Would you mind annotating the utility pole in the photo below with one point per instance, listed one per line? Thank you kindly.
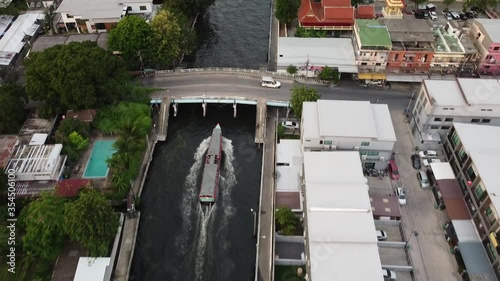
(307, 66)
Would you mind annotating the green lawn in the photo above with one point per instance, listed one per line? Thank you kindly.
(288, 273)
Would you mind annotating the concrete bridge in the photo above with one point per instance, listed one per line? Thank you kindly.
(173, 102)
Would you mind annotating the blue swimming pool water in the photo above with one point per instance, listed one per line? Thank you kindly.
(96, 165)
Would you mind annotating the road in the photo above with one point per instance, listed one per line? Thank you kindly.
(249, 87)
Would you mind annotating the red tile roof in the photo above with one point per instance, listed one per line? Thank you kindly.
(85, 115)
(327, 13)
(70, 188)
(365, 12)
(7, 144)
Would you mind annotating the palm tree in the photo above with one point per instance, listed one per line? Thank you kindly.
(131, 140)
(49, 20)
(119, 183)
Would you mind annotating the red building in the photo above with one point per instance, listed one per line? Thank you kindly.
(326, 14)
(365, 12)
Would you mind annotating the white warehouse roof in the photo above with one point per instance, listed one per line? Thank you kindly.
(340, 227)
(492, 27)
(356, 119)
(289, 152)
(464, 92)
(317, 52)
(91, 269)
(442, 171)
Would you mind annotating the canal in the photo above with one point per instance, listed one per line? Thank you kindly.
(233, 33)
(176, 242)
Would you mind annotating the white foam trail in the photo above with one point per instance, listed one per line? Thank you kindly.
(190, 195)
(202, 242)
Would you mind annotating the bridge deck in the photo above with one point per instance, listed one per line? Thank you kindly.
(260, 123)
(163, 122)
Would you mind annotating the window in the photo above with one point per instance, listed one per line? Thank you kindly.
(142, 8)
(455, 139)
(475, 120)
(320, 142)
(448, 119)
(69, 16)
(328, 142)
(365, 143)
(363, 63)
(462, 154)
(372, 153)
(471, 173)
(434, 127)
(496, 48)
(378, 64)
(445, 127)
(438, 119)
(479, 192)
(486, 121)
(100, 26)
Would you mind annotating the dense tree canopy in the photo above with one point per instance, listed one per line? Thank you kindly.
(172, 38)
(12, 111)
(112, 119)
(91, 221)
(133, 38)
(189, 7)
(287, 223)
(43, 222)
(286, 10)
(75, 76)
(481, 4)
(299, 96)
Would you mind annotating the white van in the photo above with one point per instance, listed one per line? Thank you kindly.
(423, 179)
(269, 82)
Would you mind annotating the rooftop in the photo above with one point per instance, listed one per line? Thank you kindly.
(288, 178)
(444, 92)
(95, 9)
(481, 144)
(5, 22)
(442, 171)
(492, 27)
(91, 269)
(385, 206)
(409, 29)
(45, 42)
(372, 33)
(337, 195)
(480, 91)
(34, 124)
(333, 52)
(29, 159)
(289, 152)
(70, 187)
(357, 119)
(7, 143)
(446, 43)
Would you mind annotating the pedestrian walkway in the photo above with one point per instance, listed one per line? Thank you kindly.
(266, 217)
(429, 251)
(260, 122)
(127, 248)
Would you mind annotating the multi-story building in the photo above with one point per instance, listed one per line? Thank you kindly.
(412, 45)
(486, 36)
(372, 44)
(470, 59)
(439, 103)
(326, 14)
(99, 15)
(37, 162)
(340, 238)
(450, 55)
(349, 125)
(473, 153)
(393, 9)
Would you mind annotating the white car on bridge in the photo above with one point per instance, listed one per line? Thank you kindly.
(269, 82)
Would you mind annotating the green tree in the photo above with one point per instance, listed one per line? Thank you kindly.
(119, 182)
(172, 37)
(286, 221)
(43, 223)
(70, 125)
(481, 4)
(187, 7)
(301, 95)
(110, 119)
(75, 76)
(286, 10)
(130, 143)
(309, 33)
(133, 37)
(12, 111)
(448, 2)
(92, 222)
(78, 142)
(291, 69)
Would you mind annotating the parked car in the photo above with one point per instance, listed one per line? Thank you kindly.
(463, 16)
(269, 82)
(419, 15)
(430, 7)
(401, 194)
(388, 274)
(448, 16)
(471, 14)
(415, 161)
(290, 124)
(427, 162)
(393, 169)
(426, 15)
(423, 179)
(433, 15)
(381, 235)
(455, 15)
(427, 153)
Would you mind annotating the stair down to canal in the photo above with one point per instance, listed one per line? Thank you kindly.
(260, 123)
(163, 122)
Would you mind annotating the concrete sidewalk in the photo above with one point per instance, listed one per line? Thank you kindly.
(429, 251)
(127, 247)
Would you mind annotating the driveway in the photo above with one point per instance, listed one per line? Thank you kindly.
(430, 253)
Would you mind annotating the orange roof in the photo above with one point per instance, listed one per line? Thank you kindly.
(330, 12)
(69, 188)
(84, 115)
(365, 12)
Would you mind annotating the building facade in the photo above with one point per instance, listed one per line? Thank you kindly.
(349, 125)
(486, 36)
(412, 45)
(99, 16)
(439, 103)
(372, 44)
(473, 153)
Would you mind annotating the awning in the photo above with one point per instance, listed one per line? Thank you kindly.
(465, 231)
(476, 261)
(417, 78)
(372, 76)
(456, 209)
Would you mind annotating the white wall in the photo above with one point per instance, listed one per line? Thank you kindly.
(136, 8)
(348, 144)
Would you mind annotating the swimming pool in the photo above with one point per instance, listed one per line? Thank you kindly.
(96, 165)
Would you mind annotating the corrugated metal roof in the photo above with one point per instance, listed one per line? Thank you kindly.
(476, 261)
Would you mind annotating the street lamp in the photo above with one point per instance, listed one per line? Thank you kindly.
(254, 222)
(414, 233)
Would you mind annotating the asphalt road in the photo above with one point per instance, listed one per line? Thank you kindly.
(249, 87)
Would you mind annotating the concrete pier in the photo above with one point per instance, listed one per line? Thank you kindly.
(163, 119)
(260, 123)
(127, 248)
